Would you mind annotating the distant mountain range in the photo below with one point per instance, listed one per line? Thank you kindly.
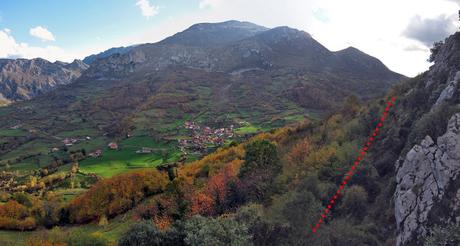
(23, 79)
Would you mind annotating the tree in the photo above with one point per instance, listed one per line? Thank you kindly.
(435, 50)
(300, 210)
(262, 232)
(354, 201)
(215, 231)
(116, 195)
(261, 166)
(141, 234)
(260, 154)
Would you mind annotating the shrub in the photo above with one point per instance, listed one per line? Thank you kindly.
(79, 238)
(354, 201)
(443, 236)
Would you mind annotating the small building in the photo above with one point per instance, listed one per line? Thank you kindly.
(96, 153)
(145, 150)
(54, 149)
(113, 146)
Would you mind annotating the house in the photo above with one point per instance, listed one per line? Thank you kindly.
(69, 141)
(113, 146)
(54, 149)
(145, 150)
(15, 127)
(96, 153)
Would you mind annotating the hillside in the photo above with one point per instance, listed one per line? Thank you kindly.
(23, 79)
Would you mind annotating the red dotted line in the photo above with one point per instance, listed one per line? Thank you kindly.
(355, 165)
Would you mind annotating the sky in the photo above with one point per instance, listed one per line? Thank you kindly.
(398, 32)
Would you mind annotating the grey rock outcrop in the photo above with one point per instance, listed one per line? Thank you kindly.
(23, 79)
(427, 171)
(449, 91)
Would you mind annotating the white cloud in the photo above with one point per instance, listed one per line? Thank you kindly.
(10, 48)
(42, 33)
(148, 10)
(208, 3)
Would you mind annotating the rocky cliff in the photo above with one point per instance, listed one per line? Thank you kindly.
(23, 79)
(427, 172)
(427, 176)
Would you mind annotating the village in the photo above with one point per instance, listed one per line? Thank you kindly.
(201, 138)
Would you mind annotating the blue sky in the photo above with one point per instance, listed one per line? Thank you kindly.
(397, 32)
(76, 24)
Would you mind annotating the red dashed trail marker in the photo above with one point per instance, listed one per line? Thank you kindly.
(352, 170)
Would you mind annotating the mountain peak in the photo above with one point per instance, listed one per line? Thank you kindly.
(214, 34)
(289, 30)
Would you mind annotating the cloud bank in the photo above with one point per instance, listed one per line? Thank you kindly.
(42, 33)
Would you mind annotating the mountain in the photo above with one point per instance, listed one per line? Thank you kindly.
(214, 34)
(245, 75)
(23, 79)
(118, 50)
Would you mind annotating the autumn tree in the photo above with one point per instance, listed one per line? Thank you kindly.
(116, 195)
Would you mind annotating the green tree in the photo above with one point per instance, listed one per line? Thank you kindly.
(261, 166)
(260, 154)
(141, 234)
(354, 201)
(215, 231)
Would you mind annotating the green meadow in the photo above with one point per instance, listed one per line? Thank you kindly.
(113, 162)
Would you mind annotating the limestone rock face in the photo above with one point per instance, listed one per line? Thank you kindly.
(426, 173)
(23, 79)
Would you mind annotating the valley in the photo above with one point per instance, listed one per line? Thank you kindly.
(231, 133)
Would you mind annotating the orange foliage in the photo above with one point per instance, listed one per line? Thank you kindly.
(202, 204)
(14, 210)
(162, 222)
(216, 161)
(15, 224)
(116, 195)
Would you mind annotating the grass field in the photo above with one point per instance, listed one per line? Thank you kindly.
(13, 133)
(111, 232)
(114, 162)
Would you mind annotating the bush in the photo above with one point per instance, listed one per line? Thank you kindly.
(80, 238)
(22, 198)
(435, 50)
(141, 234)
(443, 236)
